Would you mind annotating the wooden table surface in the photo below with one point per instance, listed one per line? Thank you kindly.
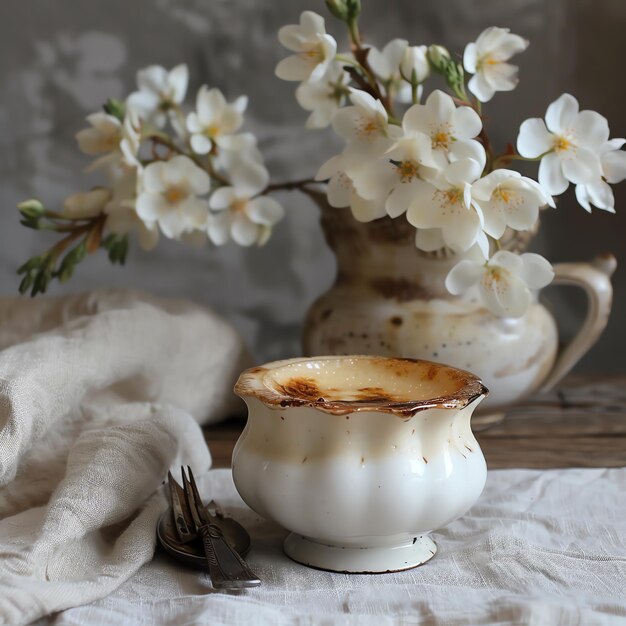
(582, 424)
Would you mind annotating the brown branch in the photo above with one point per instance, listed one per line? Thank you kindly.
(289, 185)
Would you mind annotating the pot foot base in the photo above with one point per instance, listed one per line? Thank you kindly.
(375, 560)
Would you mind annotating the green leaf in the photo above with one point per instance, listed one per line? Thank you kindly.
(30, 265)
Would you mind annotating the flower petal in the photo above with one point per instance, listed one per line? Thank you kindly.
(550, 175)
(218, 227)
(480, 87)
(483, 188)
(312, 24)
(329, 168)
(591, 129)
(152, 78)
(374, 180)
(561, 114)
(463, 275)
(614, 166)
(195, 212)
(201, 144)
(429, 239)
(177, 80)
(507, 296)
(265, 210)
(150, 206)
(210, 104)
(583, 167)
(537, 272)
(172, 223)
(243, 231)
(466, 123)
(508, 45)
(400, 198)
(339, 191)
(534, 138)
(502, 76)
(509, 260)
(154, 177)
(222, 198)
(249, 176)
(470, 58)
(366, 210)
(294, 67)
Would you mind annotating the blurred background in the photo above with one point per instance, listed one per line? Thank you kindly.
(59, 61)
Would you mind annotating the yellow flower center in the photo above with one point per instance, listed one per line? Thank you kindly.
(367, 127)
(175, 194)
(313, 54)
(504, 195)
(450, 200)
(486, 60)
(440, 140)
(213, 130)
(408, 171)
(562, 144)
(239, 205)
(495, 279)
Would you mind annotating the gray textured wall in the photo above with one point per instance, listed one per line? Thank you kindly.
(59, 60)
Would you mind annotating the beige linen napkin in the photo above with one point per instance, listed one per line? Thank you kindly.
(100, 394)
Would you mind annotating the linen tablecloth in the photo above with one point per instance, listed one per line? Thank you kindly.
(544, 548)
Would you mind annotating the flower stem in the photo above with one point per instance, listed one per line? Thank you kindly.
(504, 159)
(288, 185)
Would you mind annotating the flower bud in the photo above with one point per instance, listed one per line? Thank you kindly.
(31, 208)
(345, 10)
(439, 57)
(116, 108)
(414, 65)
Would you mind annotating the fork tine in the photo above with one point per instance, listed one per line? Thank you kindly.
(197, 497)
(191, 501)
(180, 522)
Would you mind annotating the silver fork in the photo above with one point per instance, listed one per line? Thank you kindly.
(226, 568)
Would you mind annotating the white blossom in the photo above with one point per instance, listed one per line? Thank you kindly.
(507, 198)
(122, 217)
(86, 205)
(365, 127)
(570, 142)
(396, 177)
(446, 204)
(170, 196)
(451, 129)
(324, 96)
(385, 64)
(314, 49)
(487, 60)
(599, 193)
(241, 214)
(159, 93)
(342, 193)
(215, 121)
(115, 141)
(504, 283)
(415, 59)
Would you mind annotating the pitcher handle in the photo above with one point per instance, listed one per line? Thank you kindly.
(595, 279)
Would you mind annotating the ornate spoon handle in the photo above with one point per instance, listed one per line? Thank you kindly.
(227, 569)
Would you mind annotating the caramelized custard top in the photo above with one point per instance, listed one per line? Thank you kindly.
(347, 384)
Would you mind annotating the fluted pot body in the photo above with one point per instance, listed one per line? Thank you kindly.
(360, 481)
(390, 299)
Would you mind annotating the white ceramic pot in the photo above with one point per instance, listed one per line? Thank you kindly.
(389, 299)
(360, 457)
